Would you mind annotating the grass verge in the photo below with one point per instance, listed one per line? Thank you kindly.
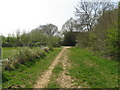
(93, 71)
(26, 75)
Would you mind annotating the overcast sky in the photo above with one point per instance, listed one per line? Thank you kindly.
(29, 14)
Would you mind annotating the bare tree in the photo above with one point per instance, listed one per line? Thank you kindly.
(48, 29)
(87, 13)
(69, 25)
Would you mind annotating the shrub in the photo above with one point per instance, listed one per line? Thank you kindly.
(23, 55)
(82, 39)
(38, 52)
(8, 65)
(46, 49)
(50, 48)
(104, 36)
(112, 40)
(69, 39)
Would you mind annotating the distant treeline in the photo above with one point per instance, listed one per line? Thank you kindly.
(44, 35)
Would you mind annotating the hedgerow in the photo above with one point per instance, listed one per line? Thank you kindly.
(22, 55)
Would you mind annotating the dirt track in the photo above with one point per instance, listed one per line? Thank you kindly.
(64, 80)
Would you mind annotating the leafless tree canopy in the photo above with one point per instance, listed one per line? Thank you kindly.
(69, 25)
(48, 29)
(87, 13)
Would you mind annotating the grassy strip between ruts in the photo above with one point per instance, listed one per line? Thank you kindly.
(92, 71)
(53, 81)
(26, 75)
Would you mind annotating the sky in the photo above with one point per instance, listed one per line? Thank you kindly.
(26, 15)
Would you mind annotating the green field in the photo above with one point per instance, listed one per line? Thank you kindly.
(6, 51)
(93, 71)
(27, 75)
